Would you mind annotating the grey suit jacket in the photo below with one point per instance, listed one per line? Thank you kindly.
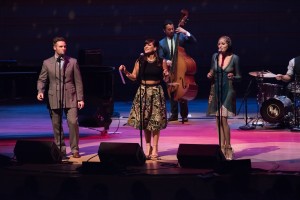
(66, 82)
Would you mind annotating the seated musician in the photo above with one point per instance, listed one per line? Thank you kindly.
(292, 69)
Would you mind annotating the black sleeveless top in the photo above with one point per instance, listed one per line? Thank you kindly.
(151, 70)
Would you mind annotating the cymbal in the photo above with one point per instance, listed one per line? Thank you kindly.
(262, 74)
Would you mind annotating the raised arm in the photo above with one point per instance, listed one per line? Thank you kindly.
(134, 74)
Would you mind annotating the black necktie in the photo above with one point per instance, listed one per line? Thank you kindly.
(171, 48)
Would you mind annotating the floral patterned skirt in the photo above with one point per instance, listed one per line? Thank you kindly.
(153, 109)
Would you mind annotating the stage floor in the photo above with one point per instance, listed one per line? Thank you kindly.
(269, 148)
(273, 151)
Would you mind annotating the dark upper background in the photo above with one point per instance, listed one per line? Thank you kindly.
(265, 34)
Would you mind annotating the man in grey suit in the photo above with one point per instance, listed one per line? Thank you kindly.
(62, 75)
(166, 51)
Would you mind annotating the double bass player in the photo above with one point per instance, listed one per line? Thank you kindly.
(166, 51)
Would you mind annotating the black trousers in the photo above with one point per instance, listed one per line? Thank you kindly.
(184, 111)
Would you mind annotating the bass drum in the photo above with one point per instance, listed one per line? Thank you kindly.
(275, 109)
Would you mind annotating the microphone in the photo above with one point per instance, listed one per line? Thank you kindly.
(60, 57)
(141, 58)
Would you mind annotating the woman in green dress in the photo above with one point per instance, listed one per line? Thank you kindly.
(225, 70)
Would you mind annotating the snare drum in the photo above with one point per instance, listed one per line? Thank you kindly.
(275, 109)
(267, 91)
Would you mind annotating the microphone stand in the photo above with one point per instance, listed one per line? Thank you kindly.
(141, 119)
(219, 95)
(246, 126)
(61, 93)
(141, 110)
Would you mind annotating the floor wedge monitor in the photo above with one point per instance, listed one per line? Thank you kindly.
(125, 154)
(206, 156)
(32, 151)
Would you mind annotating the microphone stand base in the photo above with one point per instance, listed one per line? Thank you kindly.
(295, 129)
(247, 127)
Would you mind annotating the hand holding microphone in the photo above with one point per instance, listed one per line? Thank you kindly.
(122, 68)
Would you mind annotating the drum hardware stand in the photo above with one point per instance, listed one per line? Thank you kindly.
(259, 80)
(246, 126)
(257, 121)
(296, 127)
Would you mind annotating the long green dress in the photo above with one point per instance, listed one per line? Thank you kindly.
(223, 92)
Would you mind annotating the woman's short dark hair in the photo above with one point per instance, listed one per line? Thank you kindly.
(151, 40)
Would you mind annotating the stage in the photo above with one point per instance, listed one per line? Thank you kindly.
(273, 152)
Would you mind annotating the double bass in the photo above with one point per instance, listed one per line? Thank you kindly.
(183, 69)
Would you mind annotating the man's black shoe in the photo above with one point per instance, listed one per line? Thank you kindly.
(173, 118)
(185, 119)
(65, 157)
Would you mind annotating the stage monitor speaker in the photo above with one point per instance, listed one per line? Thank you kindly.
(32, 151)
(202, 156)
(4, 160)
(122, 154)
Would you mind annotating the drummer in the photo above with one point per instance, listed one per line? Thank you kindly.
(292, 69)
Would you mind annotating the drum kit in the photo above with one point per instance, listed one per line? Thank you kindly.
(274, 107)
